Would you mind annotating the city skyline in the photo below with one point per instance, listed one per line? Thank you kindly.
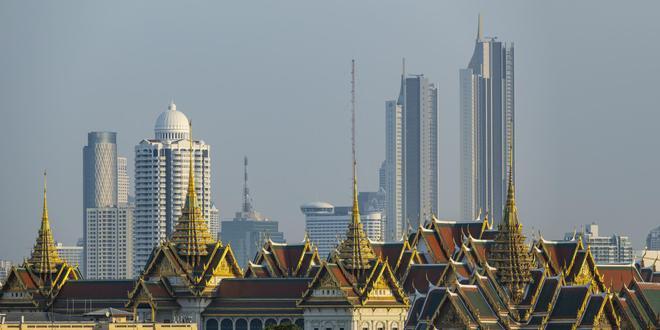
(541, 185)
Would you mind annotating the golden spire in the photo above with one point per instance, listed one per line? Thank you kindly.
(191, 234)
(45, 259)
(355, 252)
(509, 254)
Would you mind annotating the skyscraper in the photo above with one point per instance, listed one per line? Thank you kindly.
(411, 154)
(393, 170)
(161, 179)
(487, 130)
(653, 239)
(123, 183)
(106, 251)
(248, 230)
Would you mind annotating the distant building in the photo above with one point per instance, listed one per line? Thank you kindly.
(615, 249)
(393, 171)
(487, 127)
(161, 179)
(248, 230)
(72, 254)
(109, 249)
(372, 201)
(411, 154)
(107, 215)
(653, 239)
(214, 222)
(123, 181)
(326, 224)
(5, 267)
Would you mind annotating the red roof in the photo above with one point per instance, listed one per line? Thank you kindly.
(561, 253)
(418, 277)
(616, 276)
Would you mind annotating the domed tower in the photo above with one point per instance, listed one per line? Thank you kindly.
(172, 125)
(162, 167)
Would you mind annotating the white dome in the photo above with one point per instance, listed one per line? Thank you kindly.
(172, 125)
(317, 205)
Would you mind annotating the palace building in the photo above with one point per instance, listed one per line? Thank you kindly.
(446, 275)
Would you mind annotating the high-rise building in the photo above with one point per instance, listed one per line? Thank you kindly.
(615, 249)
(105, 199)
(487, 130)
(393, 170)
(248, 230)
(72, 254)
(161, 179)
(653, 239)
(5, 268)
(100, 170)
(214, 222)
(123, 182)
(109, 242)
(411, 154)
(326, 224)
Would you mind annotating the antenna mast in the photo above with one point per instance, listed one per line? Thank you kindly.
(247, 205)
(353, 117)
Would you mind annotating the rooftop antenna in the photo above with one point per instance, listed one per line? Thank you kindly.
(247, 203)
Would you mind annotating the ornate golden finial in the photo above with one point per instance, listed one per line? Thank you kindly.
(45, 258)
(509, 254)
(191, 234)
(355, 251)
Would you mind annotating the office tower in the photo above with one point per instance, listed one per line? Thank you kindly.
(122, 181)
(487, 127)
(105, 195)
(109, 240)
(382, 176)
(72, 254)
(99, 173)
(394, 170)
(5, 268)
(615, 249)
(161, 180)
(372, 201)
(411, 152)
(248, 230)
(326, 224)
(214, 222)
(653, 239)
(100, 170)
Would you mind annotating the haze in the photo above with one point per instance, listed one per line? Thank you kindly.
(271, 80)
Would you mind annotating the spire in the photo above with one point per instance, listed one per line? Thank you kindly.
(402, 90)
(355, 251)
(509, 254)
(172, 106)
(480, 32)
(44, 257)
(247, 201)
(191, 234)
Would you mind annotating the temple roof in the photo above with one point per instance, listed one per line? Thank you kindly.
(45, 259)
(191, 234)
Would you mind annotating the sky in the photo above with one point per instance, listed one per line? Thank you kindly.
(271, 80)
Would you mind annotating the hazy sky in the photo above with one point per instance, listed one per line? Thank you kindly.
(271, 80)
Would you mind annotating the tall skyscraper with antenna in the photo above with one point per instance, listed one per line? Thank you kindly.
(487, 126)
(411, 155)
(248, 230)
